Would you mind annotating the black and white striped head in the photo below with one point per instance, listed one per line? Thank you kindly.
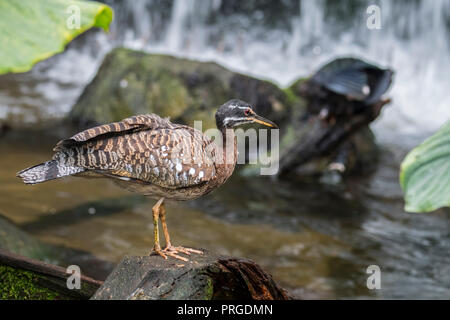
(236, 112)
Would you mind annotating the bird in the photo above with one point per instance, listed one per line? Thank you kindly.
(152, 156)
(343, 87)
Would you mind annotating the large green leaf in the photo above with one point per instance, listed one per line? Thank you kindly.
(425, 173)
(33, 30)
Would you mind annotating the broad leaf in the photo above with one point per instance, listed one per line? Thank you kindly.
(33, 30)
(425, 173)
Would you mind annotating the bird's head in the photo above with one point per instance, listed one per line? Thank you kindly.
(236, 112)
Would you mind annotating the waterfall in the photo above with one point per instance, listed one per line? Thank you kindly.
(180, 12)
(413, 40)
(284, 40)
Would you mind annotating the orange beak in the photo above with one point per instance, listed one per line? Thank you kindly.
(258, 119)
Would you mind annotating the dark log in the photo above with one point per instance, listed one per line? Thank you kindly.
(25, 278)
(204, 277)
(323, 139)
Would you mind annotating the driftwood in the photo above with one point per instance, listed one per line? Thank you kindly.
(322, 139)
(205, 276)
(25, 278)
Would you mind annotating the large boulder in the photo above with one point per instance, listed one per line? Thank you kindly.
(15, 240)
(131, 82)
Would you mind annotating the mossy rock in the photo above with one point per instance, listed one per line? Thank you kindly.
(29, 279)
(16, 284)
(132, 82)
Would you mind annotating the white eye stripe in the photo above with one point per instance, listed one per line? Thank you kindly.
(235, 119)
(233, 106)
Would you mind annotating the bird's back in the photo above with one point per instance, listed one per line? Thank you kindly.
(143, 149)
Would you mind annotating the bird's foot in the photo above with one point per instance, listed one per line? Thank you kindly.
(184, 250)
(174, 251)
(158, 251)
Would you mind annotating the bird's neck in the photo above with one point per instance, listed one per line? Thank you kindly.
(229, 147)
(226, 156)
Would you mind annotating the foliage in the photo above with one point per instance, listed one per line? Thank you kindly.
(425, 173)
(31, 31)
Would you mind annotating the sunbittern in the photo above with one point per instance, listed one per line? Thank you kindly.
(152, 156)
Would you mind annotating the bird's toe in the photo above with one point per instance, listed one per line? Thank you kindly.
(158, 252)
(175, 255)
(184, 250)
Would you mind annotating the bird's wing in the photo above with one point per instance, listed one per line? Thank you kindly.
(170, 156)
(131, 124)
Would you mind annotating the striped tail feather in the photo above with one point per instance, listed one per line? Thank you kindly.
(45, 171)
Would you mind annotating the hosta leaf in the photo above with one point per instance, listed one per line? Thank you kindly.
(33, 30)
(425, 173)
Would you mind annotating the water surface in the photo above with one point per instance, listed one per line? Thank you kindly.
(316, 240)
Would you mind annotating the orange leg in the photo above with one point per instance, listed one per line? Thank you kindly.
(169, 250)
(156, 246)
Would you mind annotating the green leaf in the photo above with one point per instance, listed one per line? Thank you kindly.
(425, 173)
(33, 30)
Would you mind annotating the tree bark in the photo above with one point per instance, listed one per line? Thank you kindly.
(204, 277)
(323, 139)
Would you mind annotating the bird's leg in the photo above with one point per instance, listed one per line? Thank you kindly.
(169, 249)
(162, 215)
(156, 246)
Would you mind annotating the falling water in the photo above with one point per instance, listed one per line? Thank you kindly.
(279, 41)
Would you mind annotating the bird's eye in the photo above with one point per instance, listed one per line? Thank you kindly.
(247, 112)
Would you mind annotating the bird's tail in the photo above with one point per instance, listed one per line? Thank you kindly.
(47, 171)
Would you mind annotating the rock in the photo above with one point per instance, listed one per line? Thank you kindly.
(4, 128)
(131, 82)
(312, 147)
(17, 241)
(28, 279)
(204, 277)
(316, 147)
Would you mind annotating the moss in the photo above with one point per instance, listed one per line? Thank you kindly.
(22, 285)
(289, 138)
(209, 289)
(291, 97)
